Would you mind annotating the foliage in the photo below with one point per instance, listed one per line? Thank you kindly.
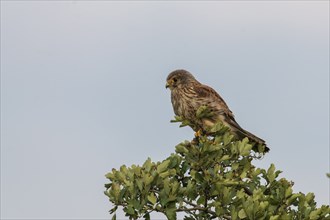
(209, 178)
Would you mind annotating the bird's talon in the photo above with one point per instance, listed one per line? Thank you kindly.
(198, 133)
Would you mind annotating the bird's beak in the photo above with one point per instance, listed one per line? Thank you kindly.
(169, 84)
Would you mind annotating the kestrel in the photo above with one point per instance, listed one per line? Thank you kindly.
(188, 95)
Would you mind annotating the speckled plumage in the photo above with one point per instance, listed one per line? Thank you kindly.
(187, 95)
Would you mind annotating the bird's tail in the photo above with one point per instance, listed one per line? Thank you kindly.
(254, 139)
(242, 133)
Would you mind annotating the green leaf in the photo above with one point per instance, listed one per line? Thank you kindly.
(184, 123)
(185, 167)
(197, 176)
(170, 213)
(137, 205)
(201, 200)
(270, 173)
(233, 213)
(244, 148)
(148, 179)
(242, 214)
(217, 127)
(114, 217)
(225, 157)
(113, 209)
(293, 198)
(115, 191)
(152, 198)
(147, 216)
(314, 214)
(181, 148)
(234, 166)
(204, 112)
(110, 176)
(182, 120)
(129, 210)
(175, 186)
(164, 174)
(263, 205)
(174, 161)
(227, 138)
(139, 183)
(166, 187)
(288, 192)
(122, 193)
(177, 119)
(274, 217)
(163, 198)
(147, 165)
(163, 166)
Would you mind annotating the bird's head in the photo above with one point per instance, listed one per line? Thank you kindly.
(179, 78)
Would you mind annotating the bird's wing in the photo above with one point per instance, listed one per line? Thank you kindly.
(204, 91)
(227, 115)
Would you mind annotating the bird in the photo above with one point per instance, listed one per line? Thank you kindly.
(188, 95)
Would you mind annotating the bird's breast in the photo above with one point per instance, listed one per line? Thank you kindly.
(184, 103)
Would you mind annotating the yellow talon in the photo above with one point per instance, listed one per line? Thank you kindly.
(198, 133)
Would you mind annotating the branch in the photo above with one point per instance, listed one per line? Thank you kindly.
(199, 208)
(189, 203)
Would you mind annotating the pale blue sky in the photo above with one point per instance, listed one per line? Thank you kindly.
(83, 91)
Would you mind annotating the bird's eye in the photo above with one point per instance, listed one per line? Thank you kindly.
(175, 79)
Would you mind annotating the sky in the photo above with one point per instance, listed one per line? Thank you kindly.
(83, 91)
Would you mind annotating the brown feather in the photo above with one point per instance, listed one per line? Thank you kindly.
(188, 95)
